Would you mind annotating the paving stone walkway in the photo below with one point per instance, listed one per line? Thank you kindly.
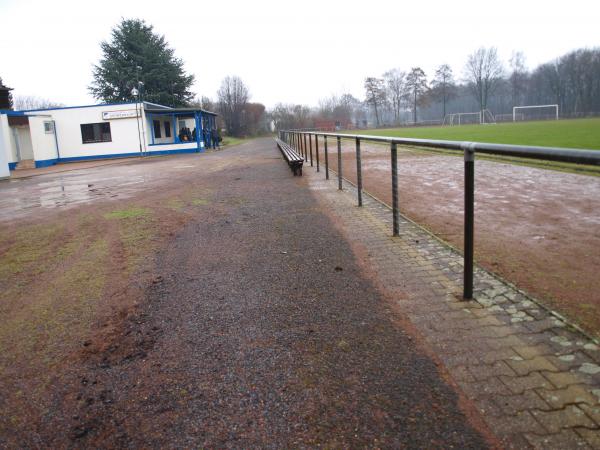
(534, 377)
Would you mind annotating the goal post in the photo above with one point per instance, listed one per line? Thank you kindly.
(519, 111)
(470, 118)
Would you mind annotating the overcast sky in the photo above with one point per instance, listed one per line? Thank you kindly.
(292, 52)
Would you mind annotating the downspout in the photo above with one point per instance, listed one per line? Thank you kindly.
(56, 141)
(198, 129)
(137, 119)
(174, 131)
(152, 128)
(143, 111)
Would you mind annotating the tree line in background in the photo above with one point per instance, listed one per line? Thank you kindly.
(400, 97)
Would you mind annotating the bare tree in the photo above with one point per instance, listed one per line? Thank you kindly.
(518, 78)
(395, 81)
(24, 102)
(340, 108)
(483, 72)
(416, 86)
(287, 117)
(283, 116)
(254, 119)
(207, 104)
(203, 102)
(302, 116)
(443, 87)
(375, 94)
(233, 96)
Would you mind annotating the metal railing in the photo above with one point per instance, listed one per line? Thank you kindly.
(298, 140)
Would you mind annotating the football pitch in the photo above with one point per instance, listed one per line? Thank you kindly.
(569, 133)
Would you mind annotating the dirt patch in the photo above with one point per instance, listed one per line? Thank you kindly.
(71, 278)
(537, 228)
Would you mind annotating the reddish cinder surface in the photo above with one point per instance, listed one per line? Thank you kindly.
(539, 229)
(248, 322)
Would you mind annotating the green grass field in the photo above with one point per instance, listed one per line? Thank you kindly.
(230, 140)
(579, 133)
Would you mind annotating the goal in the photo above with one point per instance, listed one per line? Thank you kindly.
(535, 112)
(469, 118)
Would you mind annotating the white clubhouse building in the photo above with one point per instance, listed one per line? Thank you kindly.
(43, 137)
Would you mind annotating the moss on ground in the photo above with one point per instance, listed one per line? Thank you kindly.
(199, 201)
(39, 323)
(127, 213)
(57, 278)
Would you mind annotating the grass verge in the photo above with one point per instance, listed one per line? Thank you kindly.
(575, 133)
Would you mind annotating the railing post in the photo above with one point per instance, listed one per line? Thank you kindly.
(469, 221)
(339, 171)
(358, 173)
(326, 161)
(317, 150)
(394, 156)
(305, 150)
(310, 147)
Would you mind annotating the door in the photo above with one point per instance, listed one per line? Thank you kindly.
(25, 148)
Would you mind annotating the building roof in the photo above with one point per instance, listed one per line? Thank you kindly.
(149, 107)
(167, 110)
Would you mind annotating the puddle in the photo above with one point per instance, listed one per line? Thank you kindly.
(63, 190)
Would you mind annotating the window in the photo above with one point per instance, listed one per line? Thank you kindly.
(167, 129)
(156, 124)
(95, 132)
(48, 127)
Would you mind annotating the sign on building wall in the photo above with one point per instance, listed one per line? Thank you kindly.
(125, 114)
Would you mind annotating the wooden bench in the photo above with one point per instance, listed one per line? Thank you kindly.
(293, 158)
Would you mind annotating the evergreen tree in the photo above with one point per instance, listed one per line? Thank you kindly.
(135, 53)
(6, 100)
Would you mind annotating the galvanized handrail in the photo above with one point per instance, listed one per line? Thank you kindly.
(568, 155)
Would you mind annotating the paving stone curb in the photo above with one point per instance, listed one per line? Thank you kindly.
(534, 376)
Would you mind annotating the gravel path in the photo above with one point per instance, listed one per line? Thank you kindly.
(261, 330)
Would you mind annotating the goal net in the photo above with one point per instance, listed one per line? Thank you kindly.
(469, 118)
(535, 112)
